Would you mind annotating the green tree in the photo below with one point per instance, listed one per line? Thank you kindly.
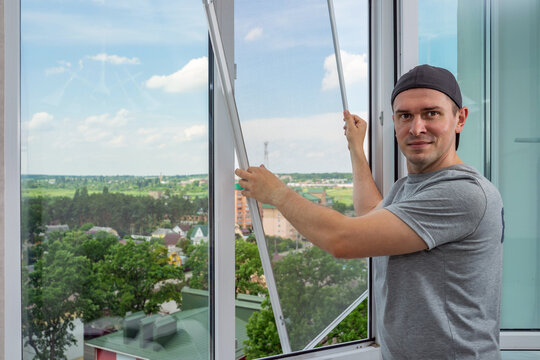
(135, 277)
(263, 338)
(52, 300)
(353, 327)
(248, 268)
(247, 264)
(319, 283)
(198, 263)
(339, 206)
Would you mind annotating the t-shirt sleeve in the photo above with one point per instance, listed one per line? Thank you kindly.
(444, 211)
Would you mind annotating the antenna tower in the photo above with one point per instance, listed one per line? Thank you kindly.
(266, 163)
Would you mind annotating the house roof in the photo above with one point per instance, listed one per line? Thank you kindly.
(192, 335)
(162, 231)
(184, 227)
(204, 229)
(267, 206)
(171, 239)
(310, 197)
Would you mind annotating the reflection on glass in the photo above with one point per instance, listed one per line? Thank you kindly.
(516, 162)
(289, 104)
(454, 40)
(520, 355)
(499, 73)
(114, 179)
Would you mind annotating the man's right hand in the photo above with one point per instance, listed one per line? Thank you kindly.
(355, 131)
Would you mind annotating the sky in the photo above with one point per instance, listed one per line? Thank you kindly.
(114, 87)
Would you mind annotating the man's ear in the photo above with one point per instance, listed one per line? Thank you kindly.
(462, 117)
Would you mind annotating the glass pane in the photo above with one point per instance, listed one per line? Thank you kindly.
(498, 85)
(114, 179)
(454, 40)
(289, 104)
(516, 159)
(520, 355)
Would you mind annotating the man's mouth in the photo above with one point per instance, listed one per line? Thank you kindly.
(419, 144)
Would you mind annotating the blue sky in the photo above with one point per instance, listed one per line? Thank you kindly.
(119, 87)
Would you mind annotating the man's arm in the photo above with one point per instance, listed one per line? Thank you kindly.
(376, 234)
(366, 196)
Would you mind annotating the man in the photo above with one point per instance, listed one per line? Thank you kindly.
(436, 237)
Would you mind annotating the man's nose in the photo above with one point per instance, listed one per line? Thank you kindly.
(417, 126)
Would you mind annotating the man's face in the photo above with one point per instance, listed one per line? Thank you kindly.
(426, 128)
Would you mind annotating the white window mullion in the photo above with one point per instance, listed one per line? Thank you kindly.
(223, 159)
(11, 328)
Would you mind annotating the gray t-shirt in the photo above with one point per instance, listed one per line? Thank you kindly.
(444, 302)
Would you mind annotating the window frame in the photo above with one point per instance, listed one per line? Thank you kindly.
(12, 300)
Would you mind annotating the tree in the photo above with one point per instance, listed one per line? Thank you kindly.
(52, 300)
(248, 268)
(135, 277)
(263, 338)
(311, 281)
(198, 263)
(353, 327)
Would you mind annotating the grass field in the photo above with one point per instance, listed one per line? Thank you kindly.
(343, 195)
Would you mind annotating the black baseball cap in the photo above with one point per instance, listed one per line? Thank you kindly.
(430, 77)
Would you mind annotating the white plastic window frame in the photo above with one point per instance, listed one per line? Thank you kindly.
(407, 58)
(222, 312)
(382, 71)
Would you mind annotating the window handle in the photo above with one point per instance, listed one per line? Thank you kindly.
(527, 140)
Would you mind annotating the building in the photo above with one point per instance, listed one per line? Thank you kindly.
(181, 229)
(242, 216)
(275, 224)
(161, 232)
(171, 239)
(199, 233)
(180, 335)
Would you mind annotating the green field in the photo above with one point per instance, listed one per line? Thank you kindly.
(343, 195)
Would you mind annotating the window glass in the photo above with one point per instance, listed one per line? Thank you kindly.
(496, 63)
(516, 155)
(520, 355)
(289, 105)
(114, 114)
(454, 39)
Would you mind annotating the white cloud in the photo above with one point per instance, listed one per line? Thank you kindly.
(193, 76)
(355, 69)
(152, 138)
(253, 34)
(117, 141)
(39, 120)
(102, 127)
(194, 132)
(115, 59)
(313, 143)
(55, 70)
(120, 119)
(64, 66)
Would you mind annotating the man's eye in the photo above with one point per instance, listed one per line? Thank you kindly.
(405, 116)
(432, 113)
